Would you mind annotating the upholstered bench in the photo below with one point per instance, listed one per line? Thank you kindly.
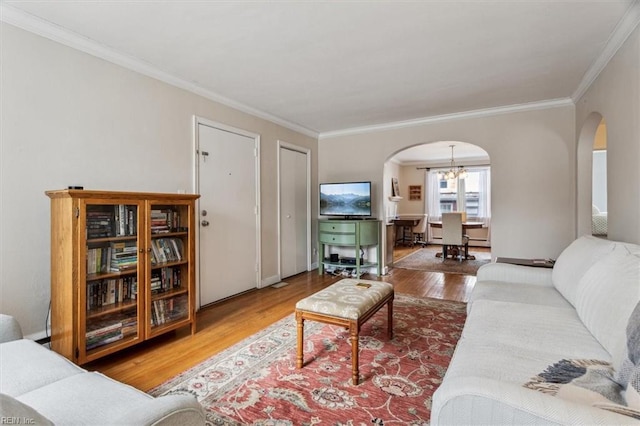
(348, 303)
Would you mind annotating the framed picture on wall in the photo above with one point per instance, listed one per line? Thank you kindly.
(415, 192)
(395, 187)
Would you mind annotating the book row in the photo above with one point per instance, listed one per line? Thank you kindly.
(167, 310)
(107, 331)
(122, 256)
(110, 291)
(165, 250)
(164, 279)
(112, 221)
(164, 220)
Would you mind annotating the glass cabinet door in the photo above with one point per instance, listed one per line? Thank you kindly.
(112, 315)
(168, 265)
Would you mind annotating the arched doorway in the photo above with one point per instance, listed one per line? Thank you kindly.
(591, 206)
(599, 219)
(417, 173)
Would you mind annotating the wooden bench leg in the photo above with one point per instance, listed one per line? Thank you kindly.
(355, 373)
(390, 318)
(300, 346)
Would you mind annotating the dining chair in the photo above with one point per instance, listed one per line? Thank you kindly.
(453, 235)
(420, 231)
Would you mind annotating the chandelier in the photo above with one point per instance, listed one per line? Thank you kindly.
(454, 172)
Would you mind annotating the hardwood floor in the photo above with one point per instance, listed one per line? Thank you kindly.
(228, 322)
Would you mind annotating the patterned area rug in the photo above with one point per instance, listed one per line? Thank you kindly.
(425, 260)
(256, 381)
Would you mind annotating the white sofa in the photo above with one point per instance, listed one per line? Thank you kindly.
(521, 320)
(40, 387)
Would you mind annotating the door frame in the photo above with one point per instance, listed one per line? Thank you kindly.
(307, 153)
(197, 121)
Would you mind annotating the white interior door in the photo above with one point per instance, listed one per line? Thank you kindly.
(294, 215)
(228, 231)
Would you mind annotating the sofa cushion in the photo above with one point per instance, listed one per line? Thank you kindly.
(575, 260)
(96, 399)
(512, 342)
(521, 293)
(607, 294)
(27, 365)
(13, 411)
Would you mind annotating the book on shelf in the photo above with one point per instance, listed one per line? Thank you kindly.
(99, 224)
(125, 218)
(164, 220)
(167, 310)
(107, 331)
(117, 221)
(98, 260)
(110, 291)
(104, 335)
(124, 256)
(166, 278)
(165, 250)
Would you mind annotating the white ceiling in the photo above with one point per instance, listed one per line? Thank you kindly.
(324, 67)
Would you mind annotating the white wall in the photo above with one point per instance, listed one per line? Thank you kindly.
(615, 96)
(532, 169)
(69, 118)
(409, 175)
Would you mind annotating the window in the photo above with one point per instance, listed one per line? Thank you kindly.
(471, 194)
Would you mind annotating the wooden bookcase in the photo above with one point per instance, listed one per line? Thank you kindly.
(122, 269)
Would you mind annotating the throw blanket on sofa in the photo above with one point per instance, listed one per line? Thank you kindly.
(594, 382)
(629, 374)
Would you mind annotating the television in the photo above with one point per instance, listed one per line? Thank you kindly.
(345, 199)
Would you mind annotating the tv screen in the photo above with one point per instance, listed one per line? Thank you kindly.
(348, 199)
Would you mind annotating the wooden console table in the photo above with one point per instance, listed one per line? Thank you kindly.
(406, 224)
(355, 234)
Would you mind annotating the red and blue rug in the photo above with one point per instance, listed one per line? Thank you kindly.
(256, 381)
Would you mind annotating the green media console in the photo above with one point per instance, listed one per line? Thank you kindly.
(359, 234)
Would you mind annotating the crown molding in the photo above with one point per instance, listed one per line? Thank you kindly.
(486, 112)
(623, 30)
(33, 24)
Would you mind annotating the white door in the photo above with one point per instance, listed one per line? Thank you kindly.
(294, 214)
(228, 237)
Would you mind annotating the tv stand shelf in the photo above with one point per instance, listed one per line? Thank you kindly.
(349, 233)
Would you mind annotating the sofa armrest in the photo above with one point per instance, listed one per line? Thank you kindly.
(478, 400)
(167, 410)
(9, 329)
(515, 274)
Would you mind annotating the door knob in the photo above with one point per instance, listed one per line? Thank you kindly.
(204, 223)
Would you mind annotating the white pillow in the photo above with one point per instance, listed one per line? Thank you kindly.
(574, 261)
(607, 294)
